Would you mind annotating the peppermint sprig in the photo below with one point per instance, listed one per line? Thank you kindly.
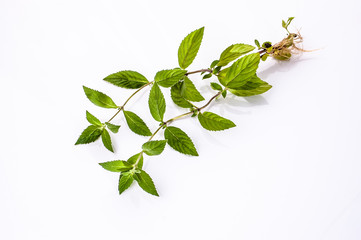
(234, 72)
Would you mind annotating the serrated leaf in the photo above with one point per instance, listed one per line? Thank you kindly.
(216, 86)
(190, 92)
(254, 86)
(242, 70)
(112, 127)
(175, 93)
(116, 166)
(90, 134)
(189, 47)
(127, 79)
(136, 158)
(92, 119)
(233, 52)
(167, 78)
(152, 148)
(98, 98)
(124, 182)
(214, 122)
(156, 103)
(180, 141)
(107, 140)
(136, 124)
(146, 182)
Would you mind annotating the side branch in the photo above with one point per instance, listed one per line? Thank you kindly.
(122, 107)
(199, 71)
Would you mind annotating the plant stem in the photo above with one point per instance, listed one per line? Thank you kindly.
(210, 100)
(183, 115)
(198, 71)
(156, 131)
(122, 107)
(177, 117)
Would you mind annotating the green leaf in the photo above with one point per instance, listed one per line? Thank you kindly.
(216, 86)
(190, 92)
(167, 78)
(242, 70)
(136, 158)
(289, 20)
(224, 93)
(217, 69)
(116, 166)
(99, 99)
(136, 124)
(146, 182)
(189, 47)
(209, 75)
(222, 76)
(175, 93)
(90, 134)
(285, 25)
(214, 122)
(257, 43)
(93, 120)
(112, 127)
(214, 63)
(156, 103)
(124, 182)
(152, 148)
(264, 57)
(107, 140)
(267, 44)
(127, 79)
(180, 141)
(233, 52)
(254, 86)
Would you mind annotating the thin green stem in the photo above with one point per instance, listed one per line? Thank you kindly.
(136, 163)
(200, 71)
(156, 131)
(136, 92)
(210, 100)
(177, 117)
(122, 107)
(183, 115)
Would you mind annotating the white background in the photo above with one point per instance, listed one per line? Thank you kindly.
(289, 170)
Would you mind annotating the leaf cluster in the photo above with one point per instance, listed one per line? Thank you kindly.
(234, 72)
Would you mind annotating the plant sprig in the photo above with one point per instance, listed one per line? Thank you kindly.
(239, 79)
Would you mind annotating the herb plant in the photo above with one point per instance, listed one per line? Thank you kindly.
(239, 79)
